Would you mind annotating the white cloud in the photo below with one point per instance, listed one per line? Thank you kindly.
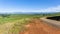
(50, 9)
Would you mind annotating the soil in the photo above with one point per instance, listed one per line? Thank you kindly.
(37, 26)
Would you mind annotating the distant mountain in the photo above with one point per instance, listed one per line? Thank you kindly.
(34, 12)
(31, 13)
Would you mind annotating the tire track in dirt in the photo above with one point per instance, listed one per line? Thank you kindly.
(36, 26)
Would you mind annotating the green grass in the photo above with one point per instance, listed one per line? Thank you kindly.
(14, 18)
(19, 26)
(18, 20)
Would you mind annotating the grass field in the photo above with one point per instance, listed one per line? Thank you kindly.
(14, 23)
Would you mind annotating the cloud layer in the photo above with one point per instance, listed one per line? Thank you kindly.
(11, 10)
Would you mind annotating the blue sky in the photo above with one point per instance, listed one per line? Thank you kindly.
(10, 6)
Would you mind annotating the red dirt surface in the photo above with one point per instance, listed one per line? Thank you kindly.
(36, 26)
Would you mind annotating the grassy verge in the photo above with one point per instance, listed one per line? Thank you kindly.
(19, 26)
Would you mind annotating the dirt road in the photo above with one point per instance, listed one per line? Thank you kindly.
(36, 26)
(54, 23)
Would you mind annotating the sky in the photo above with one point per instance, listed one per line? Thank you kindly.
(10, 6)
